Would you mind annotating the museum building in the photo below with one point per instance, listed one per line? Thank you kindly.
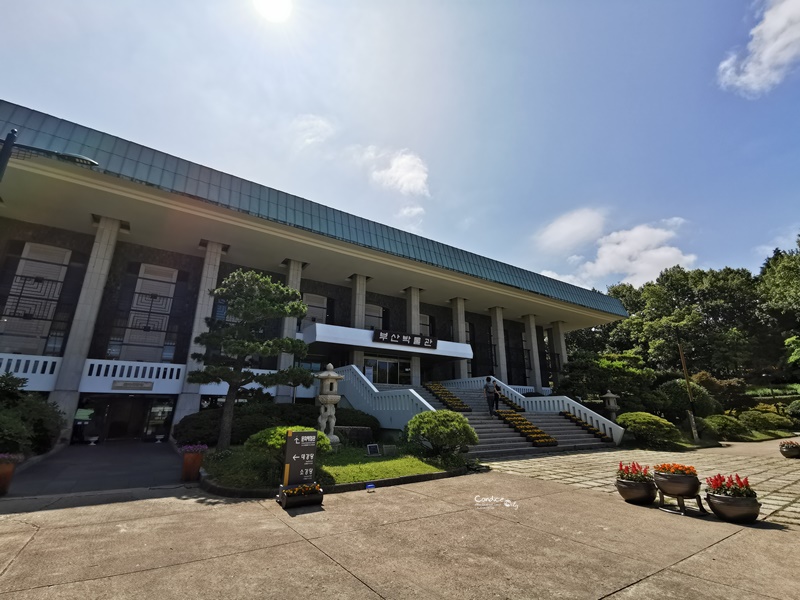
(108, 250)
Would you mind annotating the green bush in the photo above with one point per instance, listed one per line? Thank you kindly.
(274, 440)
(441, 433)
(28, 422)
(678, 401)
(764, 421)
(705, 430)
(15, 436)
(651, 430)
(727, 427)
(793, 410)
(250, 418)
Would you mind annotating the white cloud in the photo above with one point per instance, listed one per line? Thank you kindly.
(410, 212)
(773, 50)
(575, 259)
(399, 170)
(571, 231)
(785, 240)
(634, 256)
(310, 130)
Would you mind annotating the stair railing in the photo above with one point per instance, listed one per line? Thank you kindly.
(393, 408)
(545, 404)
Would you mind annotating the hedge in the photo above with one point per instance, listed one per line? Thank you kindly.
(651, 430)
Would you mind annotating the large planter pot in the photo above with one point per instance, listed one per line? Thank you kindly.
(6, 473)
(192, 461)
(637, 492)
(295, 501)
(677, 485)
(790, 451)
(734, 510)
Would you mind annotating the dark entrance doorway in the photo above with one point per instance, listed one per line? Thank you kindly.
(123, 417)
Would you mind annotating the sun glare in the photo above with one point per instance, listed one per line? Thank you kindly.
(274, 11)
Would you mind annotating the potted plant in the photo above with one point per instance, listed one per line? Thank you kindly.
(192, 461)
(304, 494)
(732, 499)
(674, 479)
(790, 449)
(635, 483)
(8, 463)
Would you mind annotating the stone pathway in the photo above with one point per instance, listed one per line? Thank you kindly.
(776, 479)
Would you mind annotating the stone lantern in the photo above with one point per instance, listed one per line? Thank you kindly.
(328, 399)
(611, 404)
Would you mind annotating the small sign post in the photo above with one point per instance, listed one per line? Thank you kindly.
(299, 487)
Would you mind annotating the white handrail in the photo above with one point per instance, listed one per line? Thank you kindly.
(546, 404)
(393, 408)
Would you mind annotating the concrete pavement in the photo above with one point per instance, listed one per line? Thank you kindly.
(490, 535)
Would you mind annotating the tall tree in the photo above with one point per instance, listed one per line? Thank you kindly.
(235, 345)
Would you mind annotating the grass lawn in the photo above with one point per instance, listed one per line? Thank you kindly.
(350, 465)
(248, 469)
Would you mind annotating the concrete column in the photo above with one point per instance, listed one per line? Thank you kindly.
(189, 399)
(81, 332)
(358, 314)
(294, 272)
(534, 371)
(412, 326)
(558, 345)
(499, 339)
(358, 305)
(459, 333)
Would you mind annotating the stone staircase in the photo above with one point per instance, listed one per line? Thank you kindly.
(497, 440)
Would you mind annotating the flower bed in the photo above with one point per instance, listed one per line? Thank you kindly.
(533, 434)
(446, 397)
(585, 426)
(511, 404)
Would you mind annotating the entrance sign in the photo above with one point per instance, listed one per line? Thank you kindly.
(301, 449)
(404, 339)
(144, 386)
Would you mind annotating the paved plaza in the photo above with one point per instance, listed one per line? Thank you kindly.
(547, 527)
(776, 479)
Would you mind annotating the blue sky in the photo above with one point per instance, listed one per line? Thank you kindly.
(596, 142)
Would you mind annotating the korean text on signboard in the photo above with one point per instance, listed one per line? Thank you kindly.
(405, 339)
(301, 449)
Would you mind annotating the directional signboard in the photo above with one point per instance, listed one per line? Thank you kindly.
(301, 449)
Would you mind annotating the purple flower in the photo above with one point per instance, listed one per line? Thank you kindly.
(193, 449)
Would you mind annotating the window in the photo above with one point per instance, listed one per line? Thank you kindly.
(317, 310)
(425, 325)
(373, 317)
(469, 332)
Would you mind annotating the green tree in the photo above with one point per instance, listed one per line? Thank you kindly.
(235, 345)
(780, 281)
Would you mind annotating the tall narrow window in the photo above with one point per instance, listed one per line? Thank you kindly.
(317, 310)
(32, 300)
(145, 337)
(373, 317)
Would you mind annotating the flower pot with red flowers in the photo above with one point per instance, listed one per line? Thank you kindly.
(8, 462)
(732, 499)
(192, 461)
(635, 483)
(305, 494)
(790, 449)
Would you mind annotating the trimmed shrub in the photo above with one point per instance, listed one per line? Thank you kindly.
(249, 418)
(678, 401)
(764, 421)
(441, 433)
(651, 430)
(15, 436)
(728, 428)
(793, 410)
(274, 440)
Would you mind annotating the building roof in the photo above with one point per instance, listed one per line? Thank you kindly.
(134, 162)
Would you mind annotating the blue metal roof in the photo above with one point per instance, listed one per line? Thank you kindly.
(138, 163)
